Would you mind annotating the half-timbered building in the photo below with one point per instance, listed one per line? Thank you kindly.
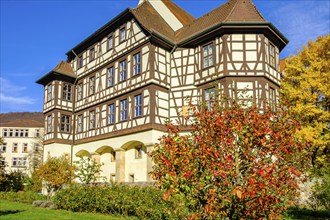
(110, 99)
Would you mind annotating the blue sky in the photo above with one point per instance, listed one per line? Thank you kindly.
(35, 35)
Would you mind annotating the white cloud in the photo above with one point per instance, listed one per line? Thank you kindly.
(13, 96)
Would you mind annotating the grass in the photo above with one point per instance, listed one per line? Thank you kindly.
(295, 213)
(13, 210)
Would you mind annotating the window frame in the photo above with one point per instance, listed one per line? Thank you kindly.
(80, 123)
(80, 61)
(67, 92)
(138, 107)
(25, 148)
(79, 91)
(91, 121)
(208, 56)
(49, 124)
(123, 111)
(111, 117)
(121, 38)
(50, 92)
(3, 147)
(92, 54)
(14, 147)
(91, 85)
(136, 64)
(207, 97)
(123, 71)
(112, 42)
(272, 55)
(65, 125)
(112, 68)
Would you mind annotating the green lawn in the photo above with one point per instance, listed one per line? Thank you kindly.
(14, 210)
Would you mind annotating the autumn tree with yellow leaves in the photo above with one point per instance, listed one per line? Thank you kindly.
(305, 90)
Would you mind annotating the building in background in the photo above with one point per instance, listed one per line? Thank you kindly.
(110, 99)
(22, 135)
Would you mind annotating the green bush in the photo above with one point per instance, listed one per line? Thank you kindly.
(12, 181)
(24, 197)
(142, 202)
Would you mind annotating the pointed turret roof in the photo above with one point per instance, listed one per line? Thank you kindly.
(62, 71)
(232, 11)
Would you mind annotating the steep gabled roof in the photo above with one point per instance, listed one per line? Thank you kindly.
(232, 11)
(150, 20)
(184, 17)
(62, 71)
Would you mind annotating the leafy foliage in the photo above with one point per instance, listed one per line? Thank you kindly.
(88, 170)
(12, 181)
(306, 92)
(142, 202)
(237, 162)
(56, 172)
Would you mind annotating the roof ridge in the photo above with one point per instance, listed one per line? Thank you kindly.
(232, 10)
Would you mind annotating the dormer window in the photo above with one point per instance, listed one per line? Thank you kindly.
(208, 56)
(122, 34)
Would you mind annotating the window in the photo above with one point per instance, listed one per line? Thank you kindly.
(272, 55)
(15, 161)
(91, 85)
(122, 34)
(91, 119)
(111, 114)
(111, 77)
(123, 110)
(22, 133)
(65, 123)
(110, 42)
(209, 96)
(15, 148)
(49, 92)
(80, 61)
(122, 70)
(49, 124)
(26, 132)
(11, 132)
(138, 105)
(137, 64)
(79, 91)
(272, 98)
(25, 148)
(91, 54)
(5, 132)
(4, 147)
(67, 91)
(138, 152)
(19, 161)
(37, 133)
(208, 57)
(80, 123)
